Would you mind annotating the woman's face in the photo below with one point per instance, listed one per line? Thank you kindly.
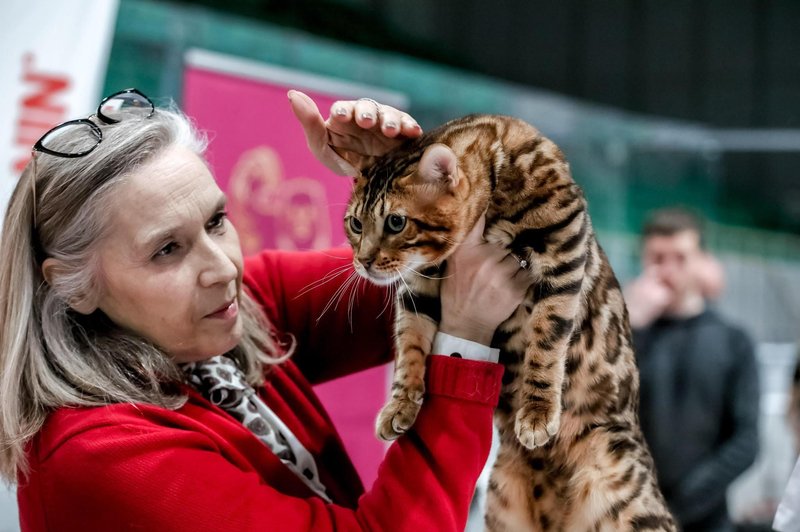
(171, 266)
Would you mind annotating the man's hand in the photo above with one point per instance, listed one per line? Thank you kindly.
(647, 299)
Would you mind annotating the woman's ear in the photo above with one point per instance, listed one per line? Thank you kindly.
(52, 269)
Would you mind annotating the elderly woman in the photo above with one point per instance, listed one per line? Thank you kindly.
(153, 379)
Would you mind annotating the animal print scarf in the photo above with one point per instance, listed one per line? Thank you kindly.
(221, 381)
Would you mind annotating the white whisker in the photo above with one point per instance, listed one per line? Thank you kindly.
(330, 276)
(430, 262)
(329, 255)
(389, 298)
(351, 301)
(410, 294)
(420, 274)
(337, 295)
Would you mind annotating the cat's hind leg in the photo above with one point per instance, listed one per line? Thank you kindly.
(614, 487)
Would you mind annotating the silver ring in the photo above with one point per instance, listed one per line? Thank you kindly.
(373, 102)
(523, 264)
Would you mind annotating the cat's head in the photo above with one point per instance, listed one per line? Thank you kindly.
(407, 212)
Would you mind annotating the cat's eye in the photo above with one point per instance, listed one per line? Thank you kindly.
(395, 223)
(355, 225)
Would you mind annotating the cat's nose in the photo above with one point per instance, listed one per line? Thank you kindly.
(366, 262)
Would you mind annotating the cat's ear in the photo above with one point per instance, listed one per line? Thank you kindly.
(439, 164)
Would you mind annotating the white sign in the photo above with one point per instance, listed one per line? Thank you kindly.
(53, 65)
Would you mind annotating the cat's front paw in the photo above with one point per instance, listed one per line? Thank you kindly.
(398, 415)
(535, 428)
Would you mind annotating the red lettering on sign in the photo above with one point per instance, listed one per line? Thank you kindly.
(40, 109)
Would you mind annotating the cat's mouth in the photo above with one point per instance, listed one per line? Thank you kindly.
(380, 278)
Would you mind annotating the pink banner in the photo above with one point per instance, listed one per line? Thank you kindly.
(281, 197)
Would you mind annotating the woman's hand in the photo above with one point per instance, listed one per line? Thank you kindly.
(483, 284)
(356, 131)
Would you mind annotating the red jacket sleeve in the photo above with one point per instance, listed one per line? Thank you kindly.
(341, 325)
(130, 475)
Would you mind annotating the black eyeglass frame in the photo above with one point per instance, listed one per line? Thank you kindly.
(95, 129)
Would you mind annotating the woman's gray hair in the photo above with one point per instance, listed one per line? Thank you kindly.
(52, 356)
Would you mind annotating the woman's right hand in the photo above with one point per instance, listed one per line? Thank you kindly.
(355, 131)
(483, 285)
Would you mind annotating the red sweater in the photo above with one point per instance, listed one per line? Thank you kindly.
(141, 467)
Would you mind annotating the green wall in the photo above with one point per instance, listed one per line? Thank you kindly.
(622, 161)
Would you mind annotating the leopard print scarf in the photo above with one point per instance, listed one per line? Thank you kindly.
(221, 381)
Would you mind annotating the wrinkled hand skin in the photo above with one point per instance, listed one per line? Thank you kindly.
(354, 133)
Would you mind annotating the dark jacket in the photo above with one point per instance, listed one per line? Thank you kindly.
(699, 412)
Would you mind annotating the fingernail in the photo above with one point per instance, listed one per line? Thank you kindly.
(390, 125)
(340, 111)
(367, 116)
(411, 124)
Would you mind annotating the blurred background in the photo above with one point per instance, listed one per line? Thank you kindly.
(655, 103)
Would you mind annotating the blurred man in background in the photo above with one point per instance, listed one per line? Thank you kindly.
(699, 383)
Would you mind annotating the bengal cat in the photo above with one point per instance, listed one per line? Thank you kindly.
(571, 456)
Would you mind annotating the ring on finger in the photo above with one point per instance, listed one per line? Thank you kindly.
(523, 264)
(373, 102)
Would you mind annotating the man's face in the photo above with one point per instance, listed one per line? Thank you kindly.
(674, 260)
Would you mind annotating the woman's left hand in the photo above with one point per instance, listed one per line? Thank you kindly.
(482, 287)
(355, 131)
